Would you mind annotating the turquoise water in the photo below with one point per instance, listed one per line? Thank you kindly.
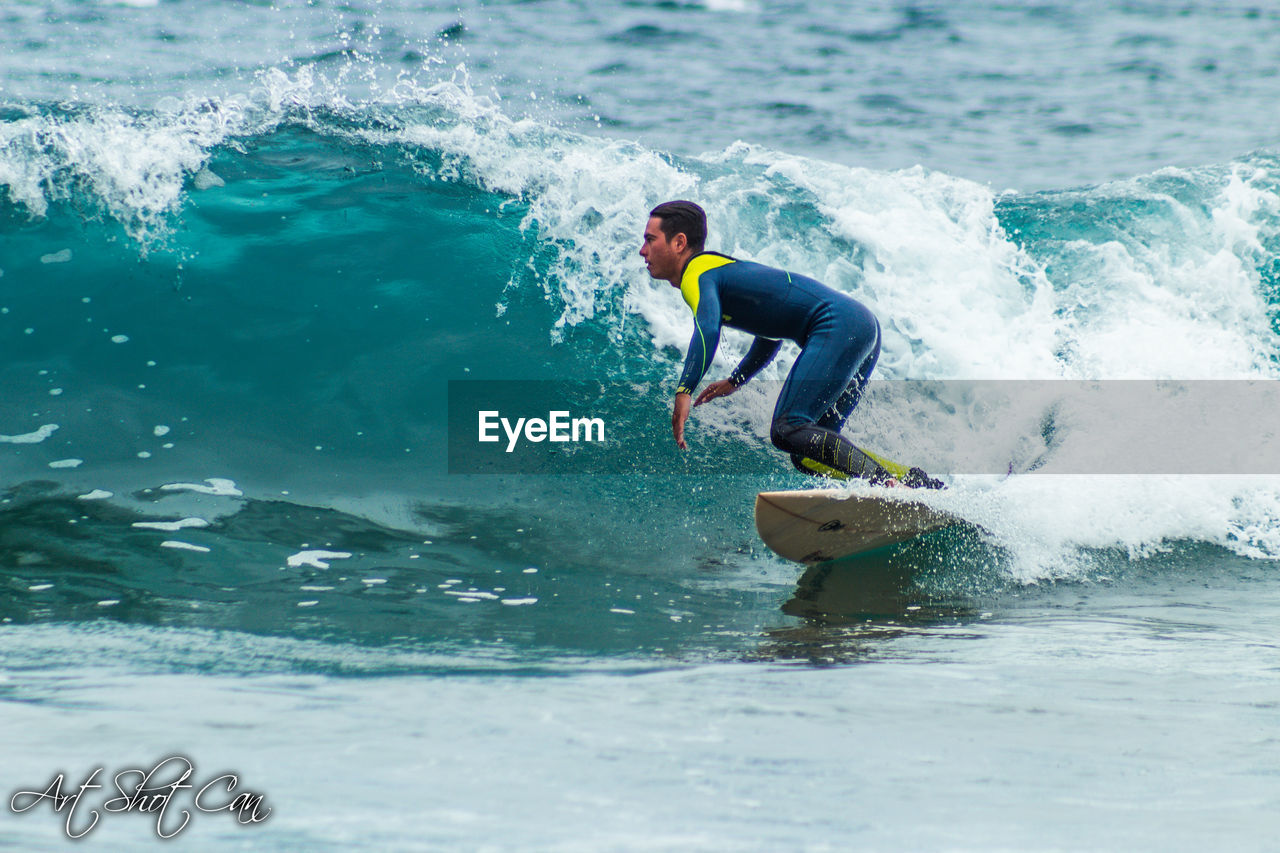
(244, 249)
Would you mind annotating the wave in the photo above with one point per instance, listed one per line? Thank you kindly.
(943, 259)
(273, 287)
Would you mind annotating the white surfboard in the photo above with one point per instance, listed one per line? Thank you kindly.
(814, 525)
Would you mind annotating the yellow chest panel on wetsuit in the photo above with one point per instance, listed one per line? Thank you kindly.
(689, 288)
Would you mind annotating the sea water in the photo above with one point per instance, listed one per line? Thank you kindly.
(246, 247)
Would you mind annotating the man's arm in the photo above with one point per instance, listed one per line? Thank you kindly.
(702, 348)
(706, 337)
(761, 353)
(680, 414)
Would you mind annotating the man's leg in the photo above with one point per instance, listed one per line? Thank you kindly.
(823, 387)
(816, 446)
(834, 417)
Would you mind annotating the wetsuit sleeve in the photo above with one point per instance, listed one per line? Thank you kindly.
(761, 353)
(706, 336)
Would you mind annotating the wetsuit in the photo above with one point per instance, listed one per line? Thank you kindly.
(839, 342)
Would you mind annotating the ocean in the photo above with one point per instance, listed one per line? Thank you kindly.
(249, 250)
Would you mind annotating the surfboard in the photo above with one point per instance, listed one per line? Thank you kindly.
(815, 525)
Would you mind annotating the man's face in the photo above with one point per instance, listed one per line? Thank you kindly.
(661, 256)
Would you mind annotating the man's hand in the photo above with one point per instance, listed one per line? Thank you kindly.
(723, 388)
(680, 414)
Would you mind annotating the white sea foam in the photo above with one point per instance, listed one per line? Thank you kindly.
(732, 5)
(206, 179)
(183, 546)
(316, 558)
(216, 486)
(30, 437)
(476, 594)
(171, 526)
(135, 165)
(1133, 303)
(1055, 526)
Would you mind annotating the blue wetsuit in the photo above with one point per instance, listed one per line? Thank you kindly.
(839, 342)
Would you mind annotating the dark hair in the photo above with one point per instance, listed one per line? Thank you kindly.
(683, 217)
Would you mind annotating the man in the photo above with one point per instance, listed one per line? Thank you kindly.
(839, 342)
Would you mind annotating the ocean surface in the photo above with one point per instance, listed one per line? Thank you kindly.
(246, 247)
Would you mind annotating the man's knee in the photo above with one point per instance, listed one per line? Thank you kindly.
(785, 434)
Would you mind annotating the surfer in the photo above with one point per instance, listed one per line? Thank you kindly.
(839, 342)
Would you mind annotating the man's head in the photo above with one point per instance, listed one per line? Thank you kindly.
(677, 230)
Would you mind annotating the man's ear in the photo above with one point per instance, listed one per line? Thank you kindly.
(680, 242)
